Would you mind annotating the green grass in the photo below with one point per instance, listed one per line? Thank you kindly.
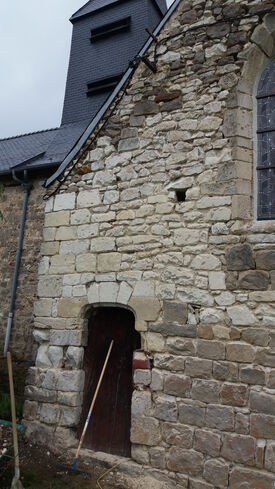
(5, 407)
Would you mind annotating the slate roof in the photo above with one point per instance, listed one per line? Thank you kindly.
(51, 147)
(94, 5)
(39, 149)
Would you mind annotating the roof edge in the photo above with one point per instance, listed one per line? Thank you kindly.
(28, 134)
(111, 98)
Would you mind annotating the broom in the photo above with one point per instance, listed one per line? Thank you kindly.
(16, 483)
(64, 467)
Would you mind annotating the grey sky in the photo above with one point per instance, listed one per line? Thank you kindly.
(34, 51)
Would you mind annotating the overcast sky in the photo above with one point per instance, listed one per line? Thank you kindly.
(35, 37)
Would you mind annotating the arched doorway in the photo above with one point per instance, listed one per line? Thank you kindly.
(109, 428)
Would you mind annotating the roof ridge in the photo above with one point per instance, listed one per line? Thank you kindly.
(29, 134)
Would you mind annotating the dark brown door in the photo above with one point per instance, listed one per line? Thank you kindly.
(109, 427)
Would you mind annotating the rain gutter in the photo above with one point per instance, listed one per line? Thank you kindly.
(26, 185)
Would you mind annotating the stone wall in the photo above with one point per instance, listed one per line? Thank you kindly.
(11, 202)
(159, 217)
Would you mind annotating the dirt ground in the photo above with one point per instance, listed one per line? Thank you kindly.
(39, 468)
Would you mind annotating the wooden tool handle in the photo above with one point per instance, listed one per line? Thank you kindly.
(93, 402)
(13, 416)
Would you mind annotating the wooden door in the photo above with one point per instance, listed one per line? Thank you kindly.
(109, 428)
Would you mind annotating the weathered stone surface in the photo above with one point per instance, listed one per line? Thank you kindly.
(205, 390)
(216, 472)
(70, 307)
(270, 456)
(197, 367)
(141, 403)
(145, 431)
(64, 201)
(88, 198)
(50, 286)
(241, 316)
(145, 308)
(74, 357)
(214, 350)
(86, 262)
(253, 280)
(170, 329)
(191, 414)
(178, 435)
(252, 375)
(262, 402)
(177, 385)
(238, 448)
(234, 394)
(55, 354)
(109, 262)
(263, 426)
(175, 312)
(241, 477)
(186, 461)
(207, 442)
(265, 260)
(220, 417)
(55, 219)
(180, 346)
(166, 408)
(240, 352)
(240, 258)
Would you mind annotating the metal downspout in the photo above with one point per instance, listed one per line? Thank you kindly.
(27, 188)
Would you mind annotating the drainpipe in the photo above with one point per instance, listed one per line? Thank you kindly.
(26, 185)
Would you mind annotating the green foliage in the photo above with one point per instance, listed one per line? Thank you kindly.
(5, 407)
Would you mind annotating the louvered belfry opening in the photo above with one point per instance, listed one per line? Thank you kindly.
(109, 427)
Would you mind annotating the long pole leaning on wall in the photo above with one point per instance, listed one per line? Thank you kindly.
(27, 188)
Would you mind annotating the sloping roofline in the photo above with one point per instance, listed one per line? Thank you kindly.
(79, 13)
(86, 134)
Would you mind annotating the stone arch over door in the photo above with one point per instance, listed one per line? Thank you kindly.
(240, 120)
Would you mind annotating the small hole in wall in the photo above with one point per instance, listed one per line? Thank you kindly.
(181, 195)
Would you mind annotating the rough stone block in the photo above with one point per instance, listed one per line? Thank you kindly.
(252, 375)
(178, 435)
(71, 307)
(43, 308)
(108, 292)
(191, 414)
(145, 431)
(64, 202)
(239, 448)
(49, 414)
(206, 262)
(99, 245)
(253, 280)
(220, 417)
(214, 350)
(109, 262)
(63, 338)
(88, 198)
(262, 426)
(55, 219)
(217, 281)
(86, 263)
(80, 216)
(87, 231)
(61, 264)
(65, 233)
(265, 260)
(240, 258)
(186, 461)
(171, 329)
(75, 247)
(175, 312)
(197, 367)
(216, 472)
(50, 248)
(207, 442)
(177, 385)
(262, 402)
(74, 357)
(70, 416)
(240, 352)
(141, 403)
(225, 371)
(145, 308)
(158, 458)
(55, 354)
(241, 477)
(205, 391)
(142, 377)
(234, 394)
(166, 408)
(180, 346)
(124, 294)
(157, 380)
(270, 456)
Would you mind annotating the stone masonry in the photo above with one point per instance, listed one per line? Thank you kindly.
(158, 217)
(11, 202)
